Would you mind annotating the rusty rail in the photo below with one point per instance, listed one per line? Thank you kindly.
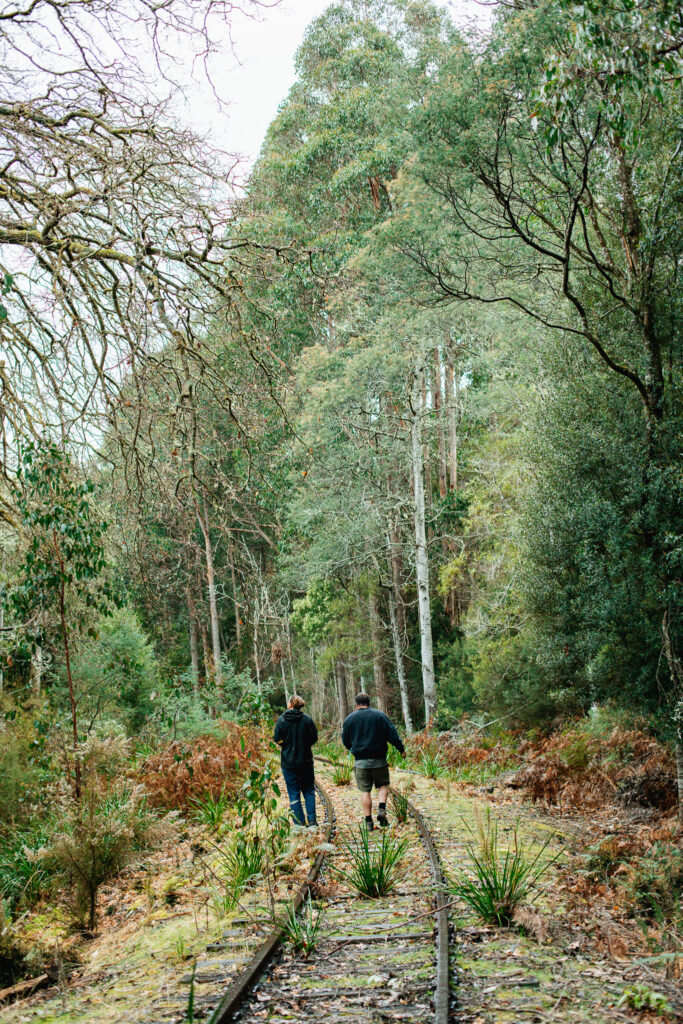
(237, 992)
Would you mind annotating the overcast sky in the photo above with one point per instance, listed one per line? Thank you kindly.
(258, 76)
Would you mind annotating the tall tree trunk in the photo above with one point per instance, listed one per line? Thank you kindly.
(395, 552)
(233, 580)
(284, 679)
(426, 454)
(72, 694)
(342, 696)
(400, 664)
(452, 399)
(421, 554)
(379, 667)
(440, 426)
(257, 660)
(289, 654)
(318, 701)
(208, 661)
(203, 519)
(194, 653)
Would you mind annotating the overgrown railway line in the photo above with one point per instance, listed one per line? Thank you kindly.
(383, 959)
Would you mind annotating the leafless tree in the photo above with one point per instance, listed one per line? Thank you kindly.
(115, 220)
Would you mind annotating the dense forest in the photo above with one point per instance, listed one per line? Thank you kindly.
(403, 415)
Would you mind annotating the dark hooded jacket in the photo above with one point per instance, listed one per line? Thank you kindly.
(366, 732)
(296, 733)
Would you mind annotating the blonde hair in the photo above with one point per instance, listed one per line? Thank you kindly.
(296, 702)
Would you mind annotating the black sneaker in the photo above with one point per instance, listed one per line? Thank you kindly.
(369, 824)
(382, 820)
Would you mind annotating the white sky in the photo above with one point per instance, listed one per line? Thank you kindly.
(258, 76)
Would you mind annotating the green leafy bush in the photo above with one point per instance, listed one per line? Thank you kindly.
(642, 998)
(341, 774)
(398, 800)
(94, 837)
(23, 879)
(433, 764)
(656, 883)
(211, 810)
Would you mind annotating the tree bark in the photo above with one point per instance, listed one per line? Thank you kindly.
(440, 426)
(238, 621)
(194, 653)
(208, 663)
(379, 667)
(452, 397)
(203, 519)
(342, 696)
(72, 694)
(400, 665)
(421, 554)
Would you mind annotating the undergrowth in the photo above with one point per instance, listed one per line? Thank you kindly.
(375, 867)
(503, 877)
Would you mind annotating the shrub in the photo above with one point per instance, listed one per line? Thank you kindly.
(243, 861)
(655, 883)
(331, 750)
(640, 997)
(210, 810)
(184, 771)
(433, 764)
(374, 868)
(502, 879)
(96, 836)
(395, 759)
(23, 879)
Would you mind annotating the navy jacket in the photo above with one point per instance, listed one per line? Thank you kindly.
(296, 733)
(366, 733)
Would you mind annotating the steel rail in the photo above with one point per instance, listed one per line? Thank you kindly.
(442, 990)
(237, 992)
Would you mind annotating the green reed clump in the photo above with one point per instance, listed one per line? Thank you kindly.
(341, 774)
(398, 800)
(302, 930)
(503, 878)
(210, 810)
(375, 868)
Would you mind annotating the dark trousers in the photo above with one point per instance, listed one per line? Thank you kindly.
(300, 779)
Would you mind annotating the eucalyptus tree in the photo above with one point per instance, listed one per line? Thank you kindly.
(555, 156)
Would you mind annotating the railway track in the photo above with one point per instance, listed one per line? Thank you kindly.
(379, 960)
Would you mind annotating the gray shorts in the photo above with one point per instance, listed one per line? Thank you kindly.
(371, 774)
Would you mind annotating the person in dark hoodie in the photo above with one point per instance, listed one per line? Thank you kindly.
(366, 732)
(295, 733)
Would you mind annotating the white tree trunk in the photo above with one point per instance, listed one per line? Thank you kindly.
(194, 652)
(452, 397)
(203, 519)
(400, 665)
(421, 553)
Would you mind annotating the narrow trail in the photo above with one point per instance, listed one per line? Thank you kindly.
(375, 960)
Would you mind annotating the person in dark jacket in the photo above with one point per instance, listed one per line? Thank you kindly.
(296, 733)
(366, 733)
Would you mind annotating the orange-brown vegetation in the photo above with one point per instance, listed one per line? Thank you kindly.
(574, 769)
(203, 765)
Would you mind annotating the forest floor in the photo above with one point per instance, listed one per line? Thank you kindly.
(579, 953)
(574, 957)
(154, 921)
